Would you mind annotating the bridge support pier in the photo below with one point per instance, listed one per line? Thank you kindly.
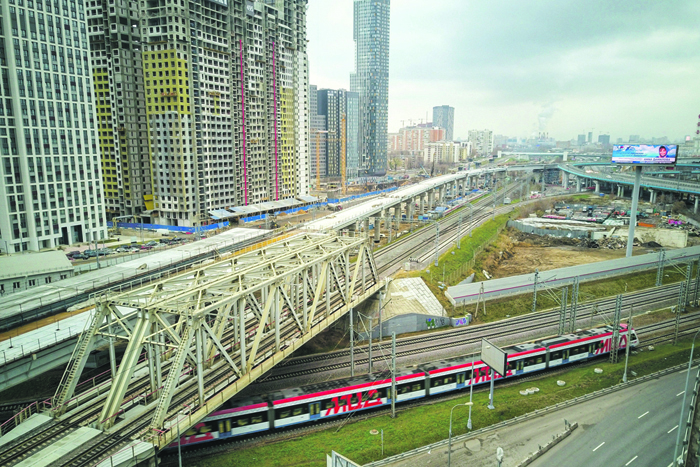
(564, 179)
(652, 196)
(695, 208)
(578, 184)
(597, 186)
(377, 225)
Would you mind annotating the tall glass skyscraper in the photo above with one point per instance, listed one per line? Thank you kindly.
(371, 81)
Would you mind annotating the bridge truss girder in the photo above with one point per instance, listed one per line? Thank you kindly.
(205, 335)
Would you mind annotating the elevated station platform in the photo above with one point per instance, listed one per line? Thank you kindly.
(393, 200)
(44, 300)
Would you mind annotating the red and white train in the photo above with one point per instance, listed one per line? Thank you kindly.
(239, 417)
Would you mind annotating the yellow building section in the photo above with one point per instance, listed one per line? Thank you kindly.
(165, 78)
(148, 201)
(286, 141)
(105, 129)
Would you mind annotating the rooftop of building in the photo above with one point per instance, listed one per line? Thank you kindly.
(31, 264)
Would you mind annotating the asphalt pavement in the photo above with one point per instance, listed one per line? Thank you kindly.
(637, 429)
(632, 427)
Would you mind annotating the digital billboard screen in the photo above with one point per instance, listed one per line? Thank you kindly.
(645, 154)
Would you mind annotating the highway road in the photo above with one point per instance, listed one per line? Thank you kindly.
(633, 427)
(639, 430)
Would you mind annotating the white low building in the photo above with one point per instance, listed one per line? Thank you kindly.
(24, 271)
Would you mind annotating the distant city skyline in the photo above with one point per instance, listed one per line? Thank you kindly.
(590, 69)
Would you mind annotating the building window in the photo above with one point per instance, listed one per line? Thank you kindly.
(31, 282)
(63, 276)
(15, 285)
(48, 279)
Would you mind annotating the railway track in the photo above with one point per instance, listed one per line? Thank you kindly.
(201, 451)
(523, 324)
(385, 258)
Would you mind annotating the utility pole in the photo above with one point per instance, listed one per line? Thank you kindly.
(393, 375)
(370, 346)
(679, 308)
(471, 218)
(534, 291)
(562, 310)
(495, 188)
(616, 329)
(459, 232)
(627, 347)
(437, 242)
(352, 344)
(660, 268)
(574, 304)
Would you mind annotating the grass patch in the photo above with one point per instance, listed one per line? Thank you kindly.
(453, 265)
(418, 426)
(588, 291)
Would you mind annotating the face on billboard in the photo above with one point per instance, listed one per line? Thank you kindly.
(644, 154)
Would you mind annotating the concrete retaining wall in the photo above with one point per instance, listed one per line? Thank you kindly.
(670, 238)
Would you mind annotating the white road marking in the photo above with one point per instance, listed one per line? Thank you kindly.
(669, 431)
(643, 414)
(680, 393)
(631, 460)
(599, 446)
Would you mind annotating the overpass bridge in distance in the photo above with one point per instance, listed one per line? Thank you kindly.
(193, 342)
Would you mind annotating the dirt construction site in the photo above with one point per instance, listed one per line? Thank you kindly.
(520, 253)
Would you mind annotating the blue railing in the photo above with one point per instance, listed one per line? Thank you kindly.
(172, 228)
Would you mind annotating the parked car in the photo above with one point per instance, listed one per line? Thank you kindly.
(80, 256)
(90, 253)
(152, 243)
(123, 249)
(146, 247)
(104, 251)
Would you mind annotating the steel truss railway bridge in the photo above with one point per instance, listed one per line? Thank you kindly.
(194, 341)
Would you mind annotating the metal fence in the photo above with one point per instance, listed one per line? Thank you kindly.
(554, 233)
(455, 275)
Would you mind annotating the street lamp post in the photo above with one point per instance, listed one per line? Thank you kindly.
(685, 393)
(449, 450)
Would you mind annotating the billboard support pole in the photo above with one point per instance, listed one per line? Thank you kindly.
(493, 377)
(633, 214)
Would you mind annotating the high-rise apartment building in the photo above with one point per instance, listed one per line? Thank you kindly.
(341, 111)
(317, 135)
(444, 117)
(604, 140)
(51, 191)
(226, 102)
(414, 138)
(371, 81)
(581, 140)
(117, 71)
(482, 142)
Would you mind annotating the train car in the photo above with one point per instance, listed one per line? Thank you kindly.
(237, 417)
(325, 400)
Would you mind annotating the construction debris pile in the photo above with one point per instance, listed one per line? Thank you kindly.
(614, 243)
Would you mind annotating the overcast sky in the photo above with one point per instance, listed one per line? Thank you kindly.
(520, 66)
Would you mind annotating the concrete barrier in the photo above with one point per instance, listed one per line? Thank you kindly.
(543, 449)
